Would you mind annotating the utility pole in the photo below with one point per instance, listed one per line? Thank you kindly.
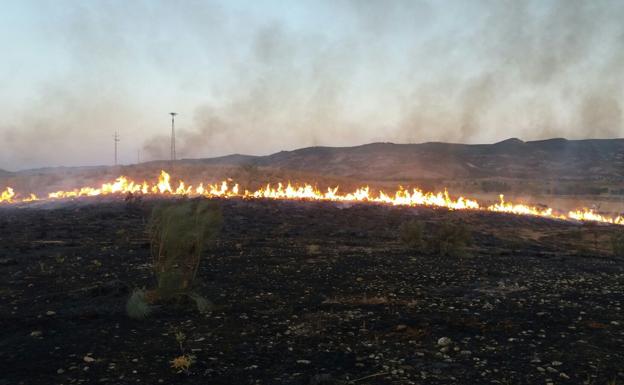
(116, 139)
(173, 150)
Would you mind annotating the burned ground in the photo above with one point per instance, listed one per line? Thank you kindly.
(311, 293)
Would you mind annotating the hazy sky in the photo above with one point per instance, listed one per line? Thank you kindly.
(261, 76)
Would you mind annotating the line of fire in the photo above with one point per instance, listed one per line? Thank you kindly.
(227, 189)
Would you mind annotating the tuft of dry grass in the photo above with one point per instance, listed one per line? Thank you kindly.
(313, 249)
(182, 363)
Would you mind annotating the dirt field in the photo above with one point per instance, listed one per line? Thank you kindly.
(311, 293)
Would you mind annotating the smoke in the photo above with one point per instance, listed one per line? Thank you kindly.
(261, 79)
(529, 69)
(498, 69)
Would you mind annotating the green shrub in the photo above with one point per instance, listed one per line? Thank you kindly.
(450, 240)
(617, 244)
(137, 306)
(178, 233)
(411, 233)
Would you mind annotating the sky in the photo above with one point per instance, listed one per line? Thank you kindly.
(257, 77)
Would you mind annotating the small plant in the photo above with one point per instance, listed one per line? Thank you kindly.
(183, 362)
(137, 306)
(411, 233)
(617, 244)
(313, 249)
(450, 240)
(178, 234)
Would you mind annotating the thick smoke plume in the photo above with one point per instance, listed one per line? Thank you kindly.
(260, 80)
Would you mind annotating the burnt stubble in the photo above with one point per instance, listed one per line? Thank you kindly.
(311, 293)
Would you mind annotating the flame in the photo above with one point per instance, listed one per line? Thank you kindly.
(225, 189)
(30, 198)
(586, 214)
(508, 207)
(7, 195)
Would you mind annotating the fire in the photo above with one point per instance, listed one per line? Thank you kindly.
(227, 189)
(589, 215)
(507, 207)
(7, 195)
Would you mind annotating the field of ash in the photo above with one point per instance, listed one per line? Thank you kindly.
(311, 293)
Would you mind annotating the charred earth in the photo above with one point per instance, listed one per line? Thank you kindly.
(312, 293)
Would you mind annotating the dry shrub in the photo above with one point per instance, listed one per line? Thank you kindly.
(447, 239)
(617, 244)
(411, 233)
(450, 240)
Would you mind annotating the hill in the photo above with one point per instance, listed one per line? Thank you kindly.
(556, 167)
(512, 158)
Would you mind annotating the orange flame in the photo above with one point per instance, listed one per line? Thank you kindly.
(401, 197)
(7, 195)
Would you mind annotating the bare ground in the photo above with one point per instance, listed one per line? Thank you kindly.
(311, 293)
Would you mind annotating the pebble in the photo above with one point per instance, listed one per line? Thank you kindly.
(88, 359)
(60, 371)
(304, 362)
(444, 341)
(50, 312)
(36, 333)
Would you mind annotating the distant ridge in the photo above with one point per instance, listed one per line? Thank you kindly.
(556, 159)
(512, 158)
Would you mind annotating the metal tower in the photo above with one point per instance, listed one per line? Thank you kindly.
(173, 150)
(116, 139)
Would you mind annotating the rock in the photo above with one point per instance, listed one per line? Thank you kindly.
(444, 341)
(60, 371)
(304, 362)
(7, 261)
(88, 359)
(557, 363)
(50, 312)
(36, 333)
(401, 327)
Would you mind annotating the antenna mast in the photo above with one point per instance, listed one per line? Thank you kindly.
(116, 139)
(173, 150)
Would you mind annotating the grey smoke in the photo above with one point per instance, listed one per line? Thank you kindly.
(402, 71)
